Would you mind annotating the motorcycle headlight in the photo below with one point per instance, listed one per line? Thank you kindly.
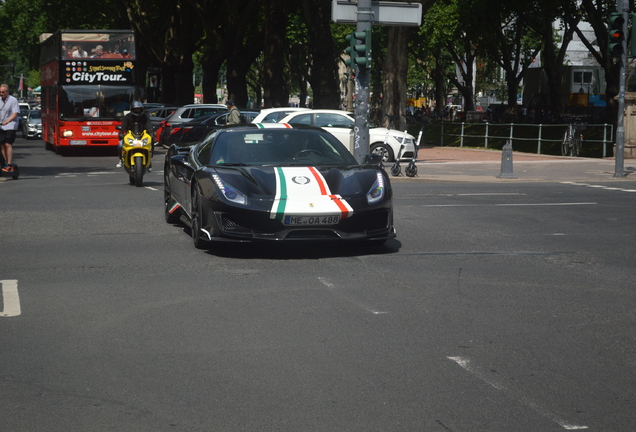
(376, 193)
(145, 141)
(230, 192)
(130, 141)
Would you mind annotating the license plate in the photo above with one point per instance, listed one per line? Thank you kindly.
(78, 142)
(311, 220)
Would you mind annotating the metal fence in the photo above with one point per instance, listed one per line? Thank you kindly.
(548, 137)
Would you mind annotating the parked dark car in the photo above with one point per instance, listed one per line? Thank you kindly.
(186, 114)
(198, 129)
(157, 115)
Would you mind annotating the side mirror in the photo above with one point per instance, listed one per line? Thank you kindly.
(118, 127)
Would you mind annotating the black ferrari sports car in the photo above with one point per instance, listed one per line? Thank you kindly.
(276, 182)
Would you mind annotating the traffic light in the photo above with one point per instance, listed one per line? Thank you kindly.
(616, 35)
(359, 54)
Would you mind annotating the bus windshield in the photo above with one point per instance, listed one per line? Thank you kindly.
(98, 45)
(95, 101)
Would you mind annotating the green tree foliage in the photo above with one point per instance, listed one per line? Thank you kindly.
(505, 38)
(457, 44)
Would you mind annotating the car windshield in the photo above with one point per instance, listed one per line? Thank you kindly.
(35, 114)
(280, 147)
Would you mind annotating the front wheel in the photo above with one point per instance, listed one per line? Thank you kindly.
(197, 220)
(396, 169)
(565, 144)
(578, 143)
(384, 150)
(139, 171)
(167, 201)
(411, 170)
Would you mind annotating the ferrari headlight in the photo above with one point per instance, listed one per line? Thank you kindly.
(376, 193)
(230, 192)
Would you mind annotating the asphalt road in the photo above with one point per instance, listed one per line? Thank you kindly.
(500, 307)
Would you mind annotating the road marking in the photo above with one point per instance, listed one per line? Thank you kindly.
(10, 298)
(465, 364)
(600, 187)
(101, 173)
(506, 205)
(547, 204)
(491, 194)
(332, 287)
(151, 188)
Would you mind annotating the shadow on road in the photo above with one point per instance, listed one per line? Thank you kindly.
(301, 250)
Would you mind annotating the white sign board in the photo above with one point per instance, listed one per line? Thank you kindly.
(384, 13)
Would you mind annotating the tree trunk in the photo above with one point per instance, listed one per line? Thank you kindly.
(244, 43)
(178, 65)
(274, 80)
(440, 89)
(395, 70)
(324, 73)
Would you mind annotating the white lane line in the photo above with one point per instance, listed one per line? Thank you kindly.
(492, 194)
(546, 204)
(332, 287)
(10, 298)
(600, 187)
(465, 364)
(506, 205)
(151, 188)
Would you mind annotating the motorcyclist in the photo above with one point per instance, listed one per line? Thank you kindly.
(137, 115)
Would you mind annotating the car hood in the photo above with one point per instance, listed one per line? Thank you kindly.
(381, 133)
(259, 182)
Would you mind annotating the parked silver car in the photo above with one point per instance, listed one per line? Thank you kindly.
(32, 125)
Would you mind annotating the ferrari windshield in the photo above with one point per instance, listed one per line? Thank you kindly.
(279, 147)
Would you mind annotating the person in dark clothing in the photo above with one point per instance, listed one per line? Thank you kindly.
(137, 115)
(234, 117)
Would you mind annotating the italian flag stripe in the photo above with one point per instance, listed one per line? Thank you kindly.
(303, 191)
(343, 208)
(324, 189)
(273, 126)
(281, 194)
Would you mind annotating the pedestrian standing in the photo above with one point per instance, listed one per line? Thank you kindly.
(234, 116)
(9, 112)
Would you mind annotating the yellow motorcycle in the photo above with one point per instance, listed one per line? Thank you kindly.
(137, 154)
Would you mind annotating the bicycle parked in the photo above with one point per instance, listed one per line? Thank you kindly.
(573, 138)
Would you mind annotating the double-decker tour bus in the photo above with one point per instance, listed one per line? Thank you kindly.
(88, 85)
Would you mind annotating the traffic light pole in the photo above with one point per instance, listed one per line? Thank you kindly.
(362, 85)
(619, 157)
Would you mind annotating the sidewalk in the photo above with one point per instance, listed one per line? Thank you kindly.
(456, 164)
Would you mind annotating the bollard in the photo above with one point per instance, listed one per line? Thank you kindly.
(506, 162)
